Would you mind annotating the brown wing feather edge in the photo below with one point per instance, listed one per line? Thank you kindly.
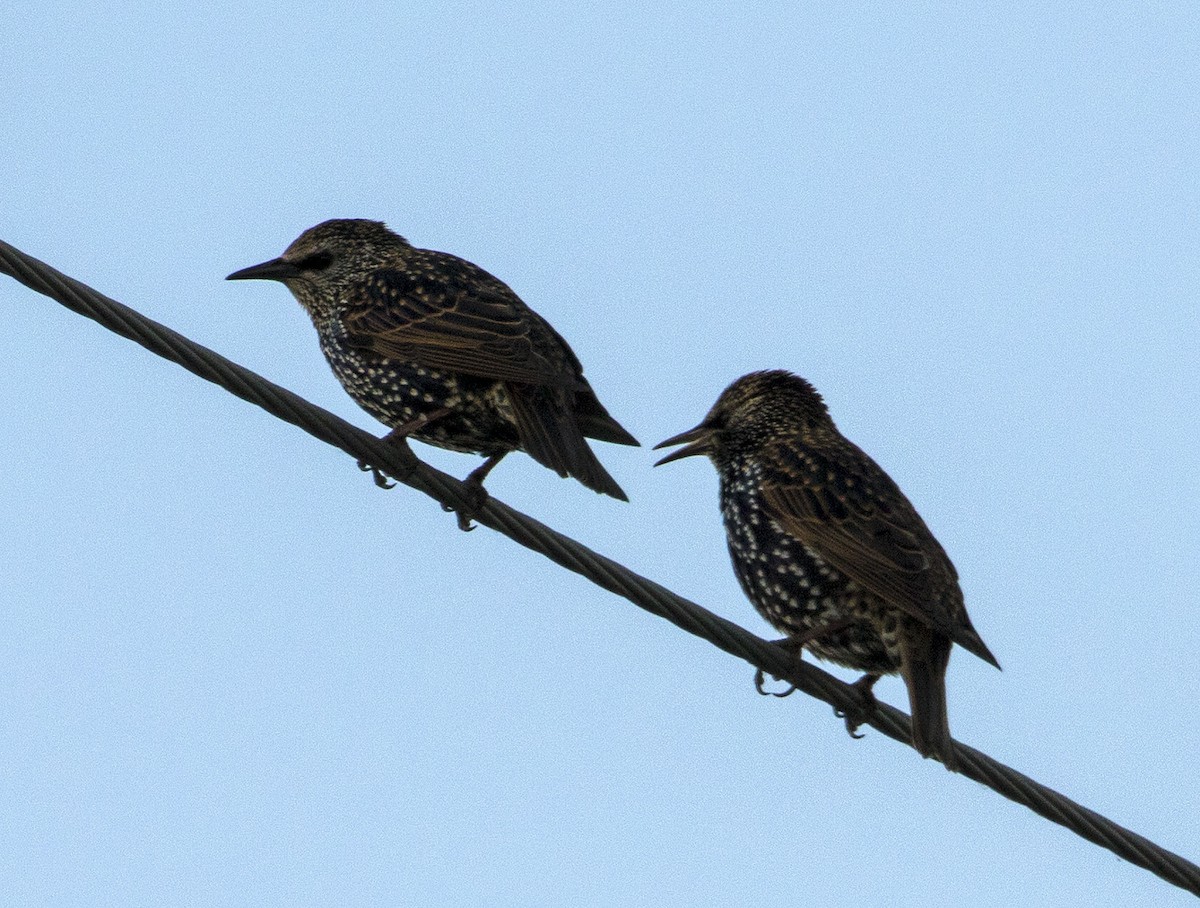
(551, 436)
(866, 561)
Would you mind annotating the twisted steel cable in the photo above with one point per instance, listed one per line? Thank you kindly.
(401, 464)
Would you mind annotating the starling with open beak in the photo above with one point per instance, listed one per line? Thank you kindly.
(829, 549)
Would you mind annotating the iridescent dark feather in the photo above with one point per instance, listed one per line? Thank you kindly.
(441, 351)
(828, 548)
(836, 499)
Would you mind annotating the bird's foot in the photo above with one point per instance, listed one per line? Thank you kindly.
(796, 646)
(380, 478)
(760, 680)
(857, 717)
(474, 492)
(477, 497)
(399, 436)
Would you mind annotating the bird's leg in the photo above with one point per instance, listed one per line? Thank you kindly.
(476, 494)
(399, 435)
(797, 643)
(760, 679)
(856, 718)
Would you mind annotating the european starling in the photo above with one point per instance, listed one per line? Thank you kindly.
(829, 549)
(439, 350)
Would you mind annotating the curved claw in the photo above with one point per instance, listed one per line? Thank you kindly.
(464, 517)
(853, 723)
(760, 680)
(380, 480)
(478, 496)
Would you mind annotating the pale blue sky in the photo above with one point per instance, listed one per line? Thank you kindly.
(235, 672)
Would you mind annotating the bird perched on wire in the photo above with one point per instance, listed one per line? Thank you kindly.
(829, 549)
(441, 351)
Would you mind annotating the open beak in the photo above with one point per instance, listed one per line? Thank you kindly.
(695, 441)
(274, 270)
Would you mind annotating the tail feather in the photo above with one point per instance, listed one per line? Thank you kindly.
(595, 421)
(968, 638)
(925, 655)
(550, 435)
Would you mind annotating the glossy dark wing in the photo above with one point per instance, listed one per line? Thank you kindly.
(550, 435)
(837, 501)
(450, 314)
(594, 419)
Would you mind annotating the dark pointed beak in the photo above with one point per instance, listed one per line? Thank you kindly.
(274, 270)
(696, 441)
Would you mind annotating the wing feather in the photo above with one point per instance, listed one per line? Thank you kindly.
(862, 524)
(457, 318)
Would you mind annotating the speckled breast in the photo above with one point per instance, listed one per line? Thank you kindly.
(396, 393)
(791, 587)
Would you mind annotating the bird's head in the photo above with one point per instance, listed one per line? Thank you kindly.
(754, 409)
(325, 259)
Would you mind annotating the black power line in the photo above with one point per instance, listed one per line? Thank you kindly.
(400, 463)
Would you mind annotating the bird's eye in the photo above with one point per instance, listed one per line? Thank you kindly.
(318, 261)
